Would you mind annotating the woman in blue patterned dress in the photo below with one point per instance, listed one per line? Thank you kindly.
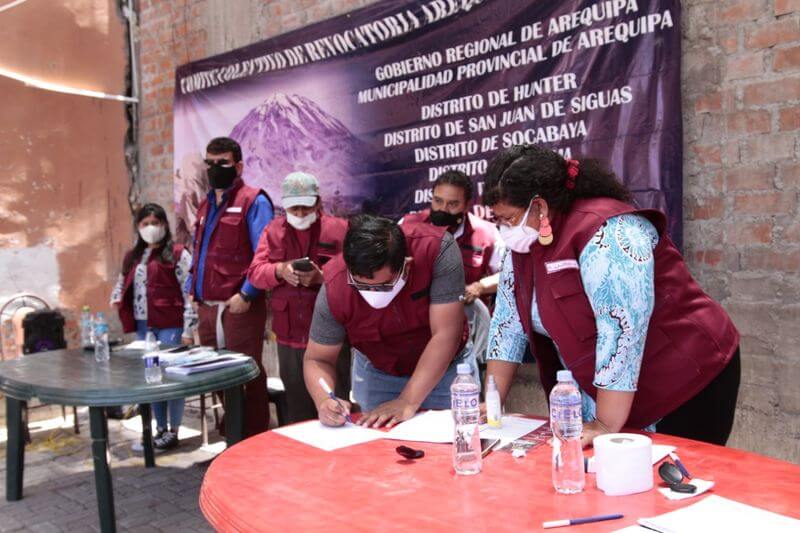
(605, 293)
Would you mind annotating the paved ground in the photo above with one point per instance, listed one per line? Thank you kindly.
(58, 485)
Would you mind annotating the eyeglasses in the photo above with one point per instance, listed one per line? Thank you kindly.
(379, 287)
(218, 162)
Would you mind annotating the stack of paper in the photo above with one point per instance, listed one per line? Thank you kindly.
(715, 513)
(514, 427)
(204, 365)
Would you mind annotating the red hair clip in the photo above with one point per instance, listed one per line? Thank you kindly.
(572, 172)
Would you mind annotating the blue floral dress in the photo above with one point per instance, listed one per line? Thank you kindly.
(616, 268)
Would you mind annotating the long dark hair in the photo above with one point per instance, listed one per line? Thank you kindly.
(164, 247)
(520, 172)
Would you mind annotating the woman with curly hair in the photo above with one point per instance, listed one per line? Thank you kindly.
(596, 286)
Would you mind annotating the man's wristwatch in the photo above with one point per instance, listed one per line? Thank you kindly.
(246, 297)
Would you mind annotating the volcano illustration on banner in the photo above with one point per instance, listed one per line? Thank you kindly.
(288, 133)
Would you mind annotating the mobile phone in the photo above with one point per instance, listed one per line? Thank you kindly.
(487, 445)
(302, 265)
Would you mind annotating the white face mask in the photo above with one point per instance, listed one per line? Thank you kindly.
(521, 237)
(152, 233)
(379, 300)
(301, 223)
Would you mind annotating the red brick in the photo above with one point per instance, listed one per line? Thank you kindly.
(771, 203)
(768, 35)
(748, 122)
(771, 147)
(772, 92)
(782, 7)
(790, 175)
(706, 208)
(748, 232)
(791, 232)
(789, 118)
(745, 66)
(741, 11)
(744, 178)
(731, 152)
(771, 259)
(787, 59)
(708, 103)
(708, 155)
(728, 40)
(710, 258)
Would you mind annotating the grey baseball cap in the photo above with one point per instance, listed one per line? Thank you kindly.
(299, 188)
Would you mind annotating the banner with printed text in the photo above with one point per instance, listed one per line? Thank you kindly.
(378, 102)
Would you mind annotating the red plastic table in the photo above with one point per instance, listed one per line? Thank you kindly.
(272, 483)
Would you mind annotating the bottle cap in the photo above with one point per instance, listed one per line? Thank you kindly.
(490, 383)
(464, 368)
(85, 307)
(564, 375)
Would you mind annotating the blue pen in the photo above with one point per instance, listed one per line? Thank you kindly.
(674, 457)
(578, 521)
(329, 392)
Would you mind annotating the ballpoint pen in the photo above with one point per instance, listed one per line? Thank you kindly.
(674, 457)
(329, 392)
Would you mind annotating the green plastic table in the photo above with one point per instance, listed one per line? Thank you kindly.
(73, 377)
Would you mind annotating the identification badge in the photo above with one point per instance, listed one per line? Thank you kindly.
(564, 264)
(234, 210)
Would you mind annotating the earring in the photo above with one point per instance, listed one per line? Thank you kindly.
(545, 231)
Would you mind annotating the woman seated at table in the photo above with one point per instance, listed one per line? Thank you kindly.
(605, 293)
(150, 296)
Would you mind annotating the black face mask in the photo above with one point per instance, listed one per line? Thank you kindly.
(221, 177)
(443, 218)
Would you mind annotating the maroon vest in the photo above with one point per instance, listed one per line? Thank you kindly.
(164, 295)
(229, 249)
(476, 243)
(293, 307)
(392, 338)
(690, 338)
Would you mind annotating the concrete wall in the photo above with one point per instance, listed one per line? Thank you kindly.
(741, 88)
(64, 217)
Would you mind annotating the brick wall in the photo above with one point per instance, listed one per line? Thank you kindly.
(741, 90)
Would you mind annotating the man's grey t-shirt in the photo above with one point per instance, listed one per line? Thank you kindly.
(447, 285)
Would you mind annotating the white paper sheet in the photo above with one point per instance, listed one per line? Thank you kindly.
(701, 484)
(715, 513)
(430, 426)
(135, 345)
(513, 428)
(327, 438)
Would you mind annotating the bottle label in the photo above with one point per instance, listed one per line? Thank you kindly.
(464, 401)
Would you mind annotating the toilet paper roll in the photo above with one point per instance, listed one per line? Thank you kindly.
(624, 463)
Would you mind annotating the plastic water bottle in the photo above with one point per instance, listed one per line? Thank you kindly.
(494, 413)
(101, 350)
(86, 327)
(567, 423)
(465, 401)
(152, 369)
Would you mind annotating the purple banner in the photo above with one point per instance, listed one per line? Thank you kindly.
(378, 102)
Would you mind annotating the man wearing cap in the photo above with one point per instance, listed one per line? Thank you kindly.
(232, 313)
(288, 259)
